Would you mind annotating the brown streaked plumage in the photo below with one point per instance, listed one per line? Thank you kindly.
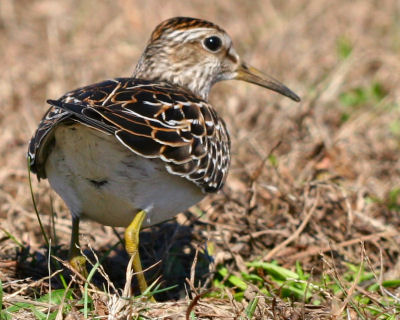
(178, 127)
(150, 144)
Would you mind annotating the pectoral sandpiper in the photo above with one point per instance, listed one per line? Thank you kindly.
(136, 151)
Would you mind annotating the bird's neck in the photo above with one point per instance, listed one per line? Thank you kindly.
(194, 78)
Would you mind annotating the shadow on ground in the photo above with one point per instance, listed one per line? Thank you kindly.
(167, 251)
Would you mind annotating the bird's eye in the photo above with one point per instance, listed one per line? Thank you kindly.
(213, 43)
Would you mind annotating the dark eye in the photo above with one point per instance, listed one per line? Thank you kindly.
(213, 43)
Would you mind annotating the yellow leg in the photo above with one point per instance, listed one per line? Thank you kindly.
(77, 261)
(132, 247)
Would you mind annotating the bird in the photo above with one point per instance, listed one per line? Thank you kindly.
(133, 152)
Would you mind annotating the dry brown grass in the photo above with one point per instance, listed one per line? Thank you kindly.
(326, 171)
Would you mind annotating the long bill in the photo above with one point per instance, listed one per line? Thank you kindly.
(252, 75)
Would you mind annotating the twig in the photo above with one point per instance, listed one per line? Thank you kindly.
(349, 293)
(8, 298)
(194, 302)
(193, 272)
(295, 235)
(316, 250)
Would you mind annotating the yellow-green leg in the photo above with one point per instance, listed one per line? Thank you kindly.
(132, 247)
(77, 261)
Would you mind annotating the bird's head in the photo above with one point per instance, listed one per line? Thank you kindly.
(195, 54)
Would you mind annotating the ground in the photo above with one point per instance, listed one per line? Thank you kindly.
(307, 224)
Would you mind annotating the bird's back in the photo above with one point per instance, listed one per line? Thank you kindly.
(152, 119)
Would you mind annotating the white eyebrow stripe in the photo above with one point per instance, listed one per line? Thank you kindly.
(189, 34)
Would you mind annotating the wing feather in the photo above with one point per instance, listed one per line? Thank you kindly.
(152, 119)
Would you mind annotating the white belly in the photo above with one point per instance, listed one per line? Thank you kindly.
(102, 180)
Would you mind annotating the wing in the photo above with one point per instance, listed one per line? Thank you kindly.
(152, 119)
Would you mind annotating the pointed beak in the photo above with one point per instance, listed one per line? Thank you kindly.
(252, 75)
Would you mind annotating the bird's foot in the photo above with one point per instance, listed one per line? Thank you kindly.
(132, 247)
(79, 265)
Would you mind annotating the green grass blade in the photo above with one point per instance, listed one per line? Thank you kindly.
(15, 240)
(251, 308)
(274, 270)
(1, 296)
(46, 239)
(85, 293)
(391, 283)
(150, 292)
(34, 203)
(234, 280)
(89, 278)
